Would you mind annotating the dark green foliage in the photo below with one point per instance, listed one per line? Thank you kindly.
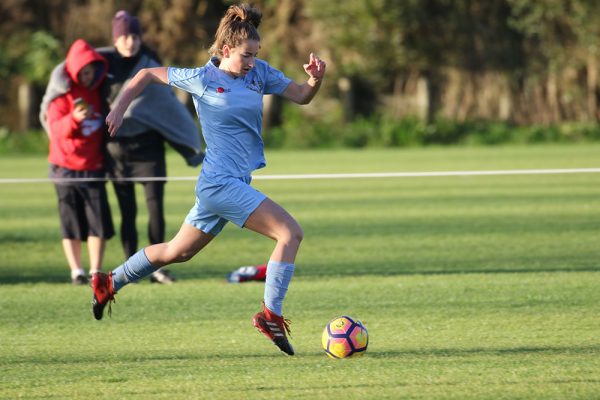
(383, 131)
(299, 132)
(41, 57)
(34, 142)
(521, 61)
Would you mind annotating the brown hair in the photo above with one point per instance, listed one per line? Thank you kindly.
(239, 23)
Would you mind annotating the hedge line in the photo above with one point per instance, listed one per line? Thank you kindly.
(383, 131)
(374, 132)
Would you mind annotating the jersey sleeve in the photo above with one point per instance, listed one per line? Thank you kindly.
(192, 80)
(275, 81)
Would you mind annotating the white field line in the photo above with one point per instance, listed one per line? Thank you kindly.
(328, 176)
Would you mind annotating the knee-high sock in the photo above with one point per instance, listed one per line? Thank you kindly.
(134, 269)
(278, 279)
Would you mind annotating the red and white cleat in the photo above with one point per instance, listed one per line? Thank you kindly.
(275, 327)
(103, 293)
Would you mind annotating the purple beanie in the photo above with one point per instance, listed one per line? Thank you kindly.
(125, 24)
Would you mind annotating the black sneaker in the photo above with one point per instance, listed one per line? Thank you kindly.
(79, 280)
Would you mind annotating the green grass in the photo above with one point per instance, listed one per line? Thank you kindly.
(471, 287)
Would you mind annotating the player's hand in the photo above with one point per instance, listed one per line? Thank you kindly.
(114, 119)
(315, 67)
(80, 113)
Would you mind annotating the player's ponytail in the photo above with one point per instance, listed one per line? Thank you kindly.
(239, 23)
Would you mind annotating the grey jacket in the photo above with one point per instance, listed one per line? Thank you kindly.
(156, 108)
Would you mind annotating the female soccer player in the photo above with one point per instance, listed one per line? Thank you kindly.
(228, 94)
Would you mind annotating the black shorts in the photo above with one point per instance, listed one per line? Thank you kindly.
(138, 156)
(84, 211)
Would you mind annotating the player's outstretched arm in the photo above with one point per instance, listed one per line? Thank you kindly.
(304, 93)
(142, 79)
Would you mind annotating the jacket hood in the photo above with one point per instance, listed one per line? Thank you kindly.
(80, 54)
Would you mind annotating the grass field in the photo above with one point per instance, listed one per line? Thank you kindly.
(482, 287)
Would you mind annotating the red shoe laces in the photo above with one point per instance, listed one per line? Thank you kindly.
(110, 301)
(280, 320)
(111, 295)
(286, 325)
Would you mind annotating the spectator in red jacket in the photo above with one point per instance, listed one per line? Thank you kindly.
(77, 133)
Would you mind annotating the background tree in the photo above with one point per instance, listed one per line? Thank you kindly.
(520, 61)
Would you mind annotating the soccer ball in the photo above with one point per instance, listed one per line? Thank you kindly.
(344, 337)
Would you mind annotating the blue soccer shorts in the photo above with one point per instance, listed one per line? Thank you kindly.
(220, 199)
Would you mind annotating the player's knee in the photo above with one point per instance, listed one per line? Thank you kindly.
(294, 234)
(175, 255)
(184, 256)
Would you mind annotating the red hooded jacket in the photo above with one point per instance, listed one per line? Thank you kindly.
(78, 145)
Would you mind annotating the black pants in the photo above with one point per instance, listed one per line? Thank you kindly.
(154, 194)
(137, 157)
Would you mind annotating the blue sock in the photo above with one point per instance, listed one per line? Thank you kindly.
(279, 275)
(134, 269)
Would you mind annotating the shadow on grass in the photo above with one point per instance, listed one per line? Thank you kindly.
(387, 355)
(55, 276)
(134, 358)
(12, 278)
(483, 351)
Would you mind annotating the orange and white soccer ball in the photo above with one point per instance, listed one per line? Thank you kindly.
(344, 337)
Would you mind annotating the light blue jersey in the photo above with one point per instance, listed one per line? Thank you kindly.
(230, 113)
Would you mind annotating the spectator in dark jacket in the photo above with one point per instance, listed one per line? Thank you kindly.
(140, 151)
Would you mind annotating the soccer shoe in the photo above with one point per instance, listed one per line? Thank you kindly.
(275, 328)
(162, 276)
(79, 280)
(103, 293)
